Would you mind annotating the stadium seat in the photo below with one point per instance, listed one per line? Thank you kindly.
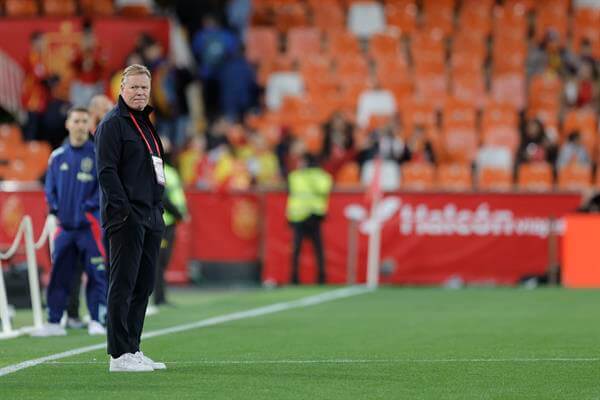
(575, 177)
(97, 7)
(476, 16)
(545, 88)
(469, 88)
(328, 16)
(281, 84)
(366, 18)
(349, 69)
(10, 134)
(348, 176)
(460, 144)
(499, 114)
(552, 14)
(375, 102)
(417, 176)
(261, 44)
(535, 176)
(271, 66)
(290, 15)
(454, 177)
(402, 15)
(439, 14)
(385, 45)
(60, 8)
(418, 113)
(494, 179)
(341, 44)
(509, 89)
(21, 8)
(585, 26)
(303, 42)
(458, 114)
(466, 43)
(510, 22)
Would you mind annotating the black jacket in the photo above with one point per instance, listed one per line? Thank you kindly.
(128, 186)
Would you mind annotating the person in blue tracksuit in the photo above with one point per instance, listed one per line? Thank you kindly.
(72, 193)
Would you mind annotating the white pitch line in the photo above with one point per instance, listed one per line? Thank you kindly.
(255, 312)
(358, 361)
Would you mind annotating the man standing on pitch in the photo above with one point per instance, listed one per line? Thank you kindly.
(132, 179)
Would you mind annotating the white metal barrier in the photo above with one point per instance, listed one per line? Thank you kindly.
(25, 232)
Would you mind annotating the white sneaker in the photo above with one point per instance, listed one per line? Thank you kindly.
(96, 328)
(49, 330)
(148, 361)
(75, 323)
(128, 363)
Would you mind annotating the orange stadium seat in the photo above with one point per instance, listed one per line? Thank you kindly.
(317, 68)
(469, 88)
(509, 89)
(476, 17)
(496, 113)
(545, 88)
(418, 113)
(535, 177)
(61, 8)
(585, 25)
(342, 43)
(328, 15)
(460, 144)
(261, 44)
(269, 66)
(458, 114)
(348, 175)
(402, 15)
(11, 135)
(391, 70)
(510, 22)
(21, 8)
(494, 179)
(303, 42)
(439, 14)
(417, 176)
(552, 14)
(351, 69)
(454, 177)
(466, 42)
(575, 177)
(97, 7)
(290, 15)
(502, 135)
(385, 45)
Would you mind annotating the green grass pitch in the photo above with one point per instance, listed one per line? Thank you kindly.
(395, 343)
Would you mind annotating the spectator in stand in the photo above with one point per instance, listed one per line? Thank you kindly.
(194, 164)
(36, 87)
(211, 47)
(551, 55)
(238, 15)
(262, 162)
(586, 54)
(237, 86)
(587, 86)
(573, 152)
(418, 147)
(535, 145)
(386, 142)
(88, 67)
(338, 143)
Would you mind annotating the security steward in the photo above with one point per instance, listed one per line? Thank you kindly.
(132, 180)
(309, 187)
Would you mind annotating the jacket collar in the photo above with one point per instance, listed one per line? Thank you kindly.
(124, 109)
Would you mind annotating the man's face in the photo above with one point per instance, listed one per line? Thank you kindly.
(78, 125)
(135, 90)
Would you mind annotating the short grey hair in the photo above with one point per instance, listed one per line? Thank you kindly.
(135, 69)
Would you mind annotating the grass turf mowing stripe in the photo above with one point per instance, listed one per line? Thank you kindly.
(256, 312)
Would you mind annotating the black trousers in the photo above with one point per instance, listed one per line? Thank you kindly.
(166, 249)
(75, 293)
(133, 254)
(311, 229)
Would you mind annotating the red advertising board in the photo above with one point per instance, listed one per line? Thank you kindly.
(477, 238)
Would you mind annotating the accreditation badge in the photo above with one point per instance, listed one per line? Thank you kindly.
(159, 170)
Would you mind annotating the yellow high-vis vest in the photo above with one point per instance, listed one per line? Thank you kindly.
(309, 190)
(175, 193)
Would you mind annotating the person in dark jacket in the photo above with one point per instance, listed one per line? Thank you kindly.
(131, 175)
(72, 195)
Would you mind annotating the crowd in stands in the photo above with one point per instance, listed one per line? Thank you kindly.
(450, 94)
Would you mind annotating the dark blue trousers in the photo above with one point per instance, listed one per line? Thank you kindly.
(69, 246)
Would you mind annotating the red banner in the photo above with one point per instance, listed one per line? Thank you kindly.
(476, 238)
(116, 36)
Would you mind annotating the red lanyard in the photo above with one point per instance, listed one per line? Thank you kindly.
(144, 136)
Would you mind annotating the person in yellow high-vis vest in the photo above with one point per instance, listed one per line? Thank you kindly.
(309, 187)
(175, 211)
